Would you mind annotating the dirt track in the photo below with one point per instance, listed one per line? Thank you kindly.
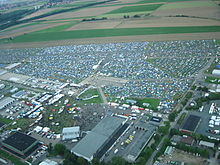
(161, 37)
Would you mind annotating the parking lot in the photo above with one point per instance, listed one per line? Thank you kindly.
(204, 127)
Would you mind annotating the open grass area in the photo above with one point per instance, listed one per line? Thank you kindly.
(21, 123)
(12, 158)
(213, 80)
(5, 120)
(154, 103)
(188, 4)
(92, 95)
(217, 42)
(140, 8)
(77, 34)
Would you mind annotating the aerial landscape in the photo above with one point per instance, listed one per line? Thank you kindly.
(110, 82)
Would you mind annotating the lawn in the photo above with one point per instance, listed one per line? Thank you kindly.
(88, 94)
(5, 120)
(10, 157)
(21, 123)
(140, 8)
(77, 34)
(154, 103)
(188, 4)
(213, 80)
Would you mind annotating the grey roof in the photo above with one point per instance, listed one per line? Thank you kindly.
(5, 101)
(70, 132)
(95, 139)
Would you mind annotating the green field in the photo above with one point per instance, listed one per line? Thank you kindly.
(154, 103)
(89, 93)
(57, 28)
(77, 34)
(116, 15)
(5, 120)
(140, 8)
(10, 157)
(188, 4)
(213, 80)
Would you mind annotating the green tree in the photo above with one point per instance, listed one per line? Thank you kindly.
(60, 149)
(118, 161)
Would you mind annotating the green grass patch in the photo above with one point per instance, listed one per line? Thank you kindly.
(217, 42)
(158, 1)
(57, 28)
(213, 80)
(89, 94)
(12, 158)
(154, 103)
(21, 123)
(5, 120)
(188, 4)
(76, 34)
(140, 8)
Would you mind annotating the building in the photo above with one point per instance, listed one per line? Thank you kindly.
(20, 144)
(206, 144)
(100, 138)
(70, 133)
(6, 102)
(48, 162)
(216, 72)
(191, 124)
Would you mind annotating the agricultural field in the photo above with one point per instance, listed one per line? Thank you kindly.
(77, 34)
(155, 20)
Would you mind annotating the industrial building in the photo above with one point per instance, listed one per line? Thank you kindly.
(216, 72)
(100, 138)
(6, 102)
(70, 133)
(191, 124)
(20, 144)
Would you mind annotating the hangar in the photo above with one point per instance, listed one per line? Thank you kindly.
(20, 144)
(191, 124)
(100, 138)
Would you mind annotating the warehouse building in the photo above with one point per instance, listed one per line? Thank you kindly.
(20, 144)
(6, 102)
(191, 124)
(100, 138)
(216, 72)
(70, 133)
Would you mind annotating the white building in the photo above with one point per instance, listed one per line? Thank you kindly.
(216, 72)
(70, 133)
(48, 162)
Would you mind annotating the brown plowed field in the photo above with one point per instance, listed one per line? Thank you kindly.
(82, 13)
(205, 12)
(150, 22)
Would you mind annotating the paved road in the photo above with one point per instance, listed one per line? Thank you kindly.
(102, 95)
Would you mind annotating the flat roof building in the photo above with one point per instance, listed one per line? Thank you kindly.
(6, 102)
(100, 138)
(20, 144)
(206, 144)
(191, 124)
(216, 72)
(69, 133)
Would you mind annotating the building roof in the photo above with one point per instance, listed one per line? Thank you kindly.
(70, 132)
(96, 138)
(207, 144)
(48, 162)
(20, 141)
(187, 140)
(191, 123)
(216, 72)
(5, 101)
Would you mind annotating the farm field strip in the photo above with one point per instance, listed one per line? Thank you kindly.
(77, 34)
